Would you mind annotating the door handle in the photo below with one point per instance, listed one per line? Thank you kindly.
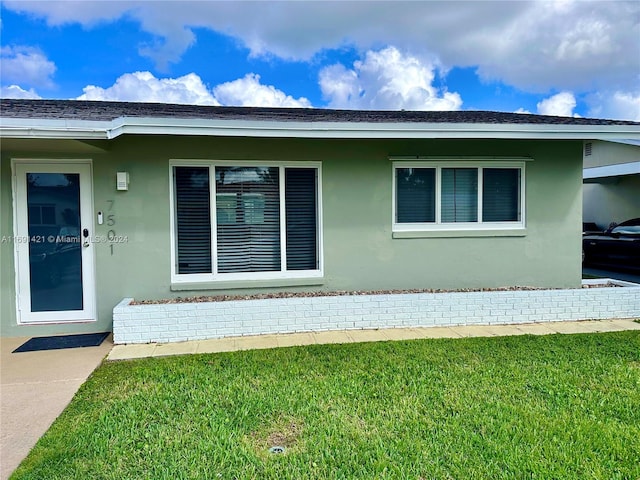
(85, 234)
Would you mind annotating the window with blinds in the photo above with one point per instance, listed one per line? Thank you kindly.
(248, 213)
(436, 196)
(501, 195)
(416, 195)
(301, 218)
(254, 220)
(459, 195)
(193, 224)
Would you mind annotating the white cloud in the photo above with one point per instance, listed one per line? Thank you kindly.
(26, 65)
(560, 105)
(189, 89)
(614, 105)
(248, 91)
(14, 91)
(573, 45)
(64, 12)
(618, 105)
(339, 85)
(533, 45)
(144, 87)
(164, 52)
(386, 80)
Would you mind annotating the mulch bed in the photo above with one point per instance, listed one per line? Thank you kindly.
(339, 293)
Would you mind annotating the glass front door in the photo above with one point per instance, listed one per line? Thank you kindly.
(53, 243)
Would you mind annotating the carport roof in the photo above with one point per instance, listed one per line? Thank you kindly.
(105, 120)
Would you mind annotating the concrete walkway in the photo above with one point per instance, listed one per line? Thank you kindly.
(123, 352)
(35, 387)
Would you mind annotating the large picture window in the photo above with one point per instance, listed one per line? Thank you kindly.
(458, 196)
(245, 221)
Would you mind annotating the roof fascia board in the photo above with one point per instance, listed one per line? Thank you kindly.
(627, 141)
(616, 170)
(88, 130)
(53, 129)
(244, 128)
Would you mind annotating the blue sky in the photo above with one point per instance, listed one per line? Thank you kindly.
(559, 57)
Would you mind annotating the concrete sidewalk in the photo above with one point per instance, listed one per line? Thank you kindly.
(123, 352)
(35, 387)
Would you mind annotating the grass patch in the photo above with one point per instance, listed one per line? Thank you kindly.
(559, 406)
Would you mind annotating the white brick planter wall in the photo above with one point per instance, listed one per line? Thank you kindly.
(176, 322)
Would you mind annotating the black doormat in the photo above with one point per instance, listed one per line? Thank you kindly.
(63, 341)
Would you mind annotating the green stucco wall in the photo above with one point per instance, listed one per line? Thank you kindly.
(359, 250)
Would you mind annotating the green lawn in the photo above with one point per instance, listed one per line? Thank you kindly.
(559, 406)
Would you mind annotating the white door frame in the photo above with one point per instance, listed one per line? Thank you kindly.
(83, 167)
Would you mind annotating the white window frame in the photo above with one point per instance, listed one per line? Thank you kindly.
(283, 274)
(438, 165)
(83, 167)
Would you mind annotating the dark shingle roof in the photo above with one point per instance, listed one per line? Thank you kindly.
(106, 111)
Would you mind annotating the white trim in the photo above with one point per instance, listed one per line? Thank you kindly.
(617, 170)
(438, 206)
(245, 276)
(460, 162)
(283, 274)
(109, 129)
(485, 159)
(24, 315)
(320, 221)
(172, 221)
(213, 215)
(609, 281)
(480, 180)
(634, 142)
(283, 219)
(200, 162)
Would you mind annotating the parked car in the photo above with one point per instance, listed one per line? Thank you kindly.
(618, 246)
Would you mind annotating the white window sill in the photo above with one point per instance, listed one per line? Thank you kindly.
(246, 284)
(516, 232)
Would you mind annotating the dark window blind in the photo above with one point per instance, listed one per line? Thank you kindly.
(193, 220)
(459, 196)
(415, 195)
(501, 195)
(301, 218)
(248, 219)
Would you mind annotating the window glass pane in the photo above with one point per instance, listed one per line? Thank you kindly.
(48, 214)
(254, 205)
(55, 256)
(193, 222)
(248, 209)
(415, 195)
(459, 195)
(226, 208)
(35, 215)
(501, 195)
(627, 229)
(301, 218)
